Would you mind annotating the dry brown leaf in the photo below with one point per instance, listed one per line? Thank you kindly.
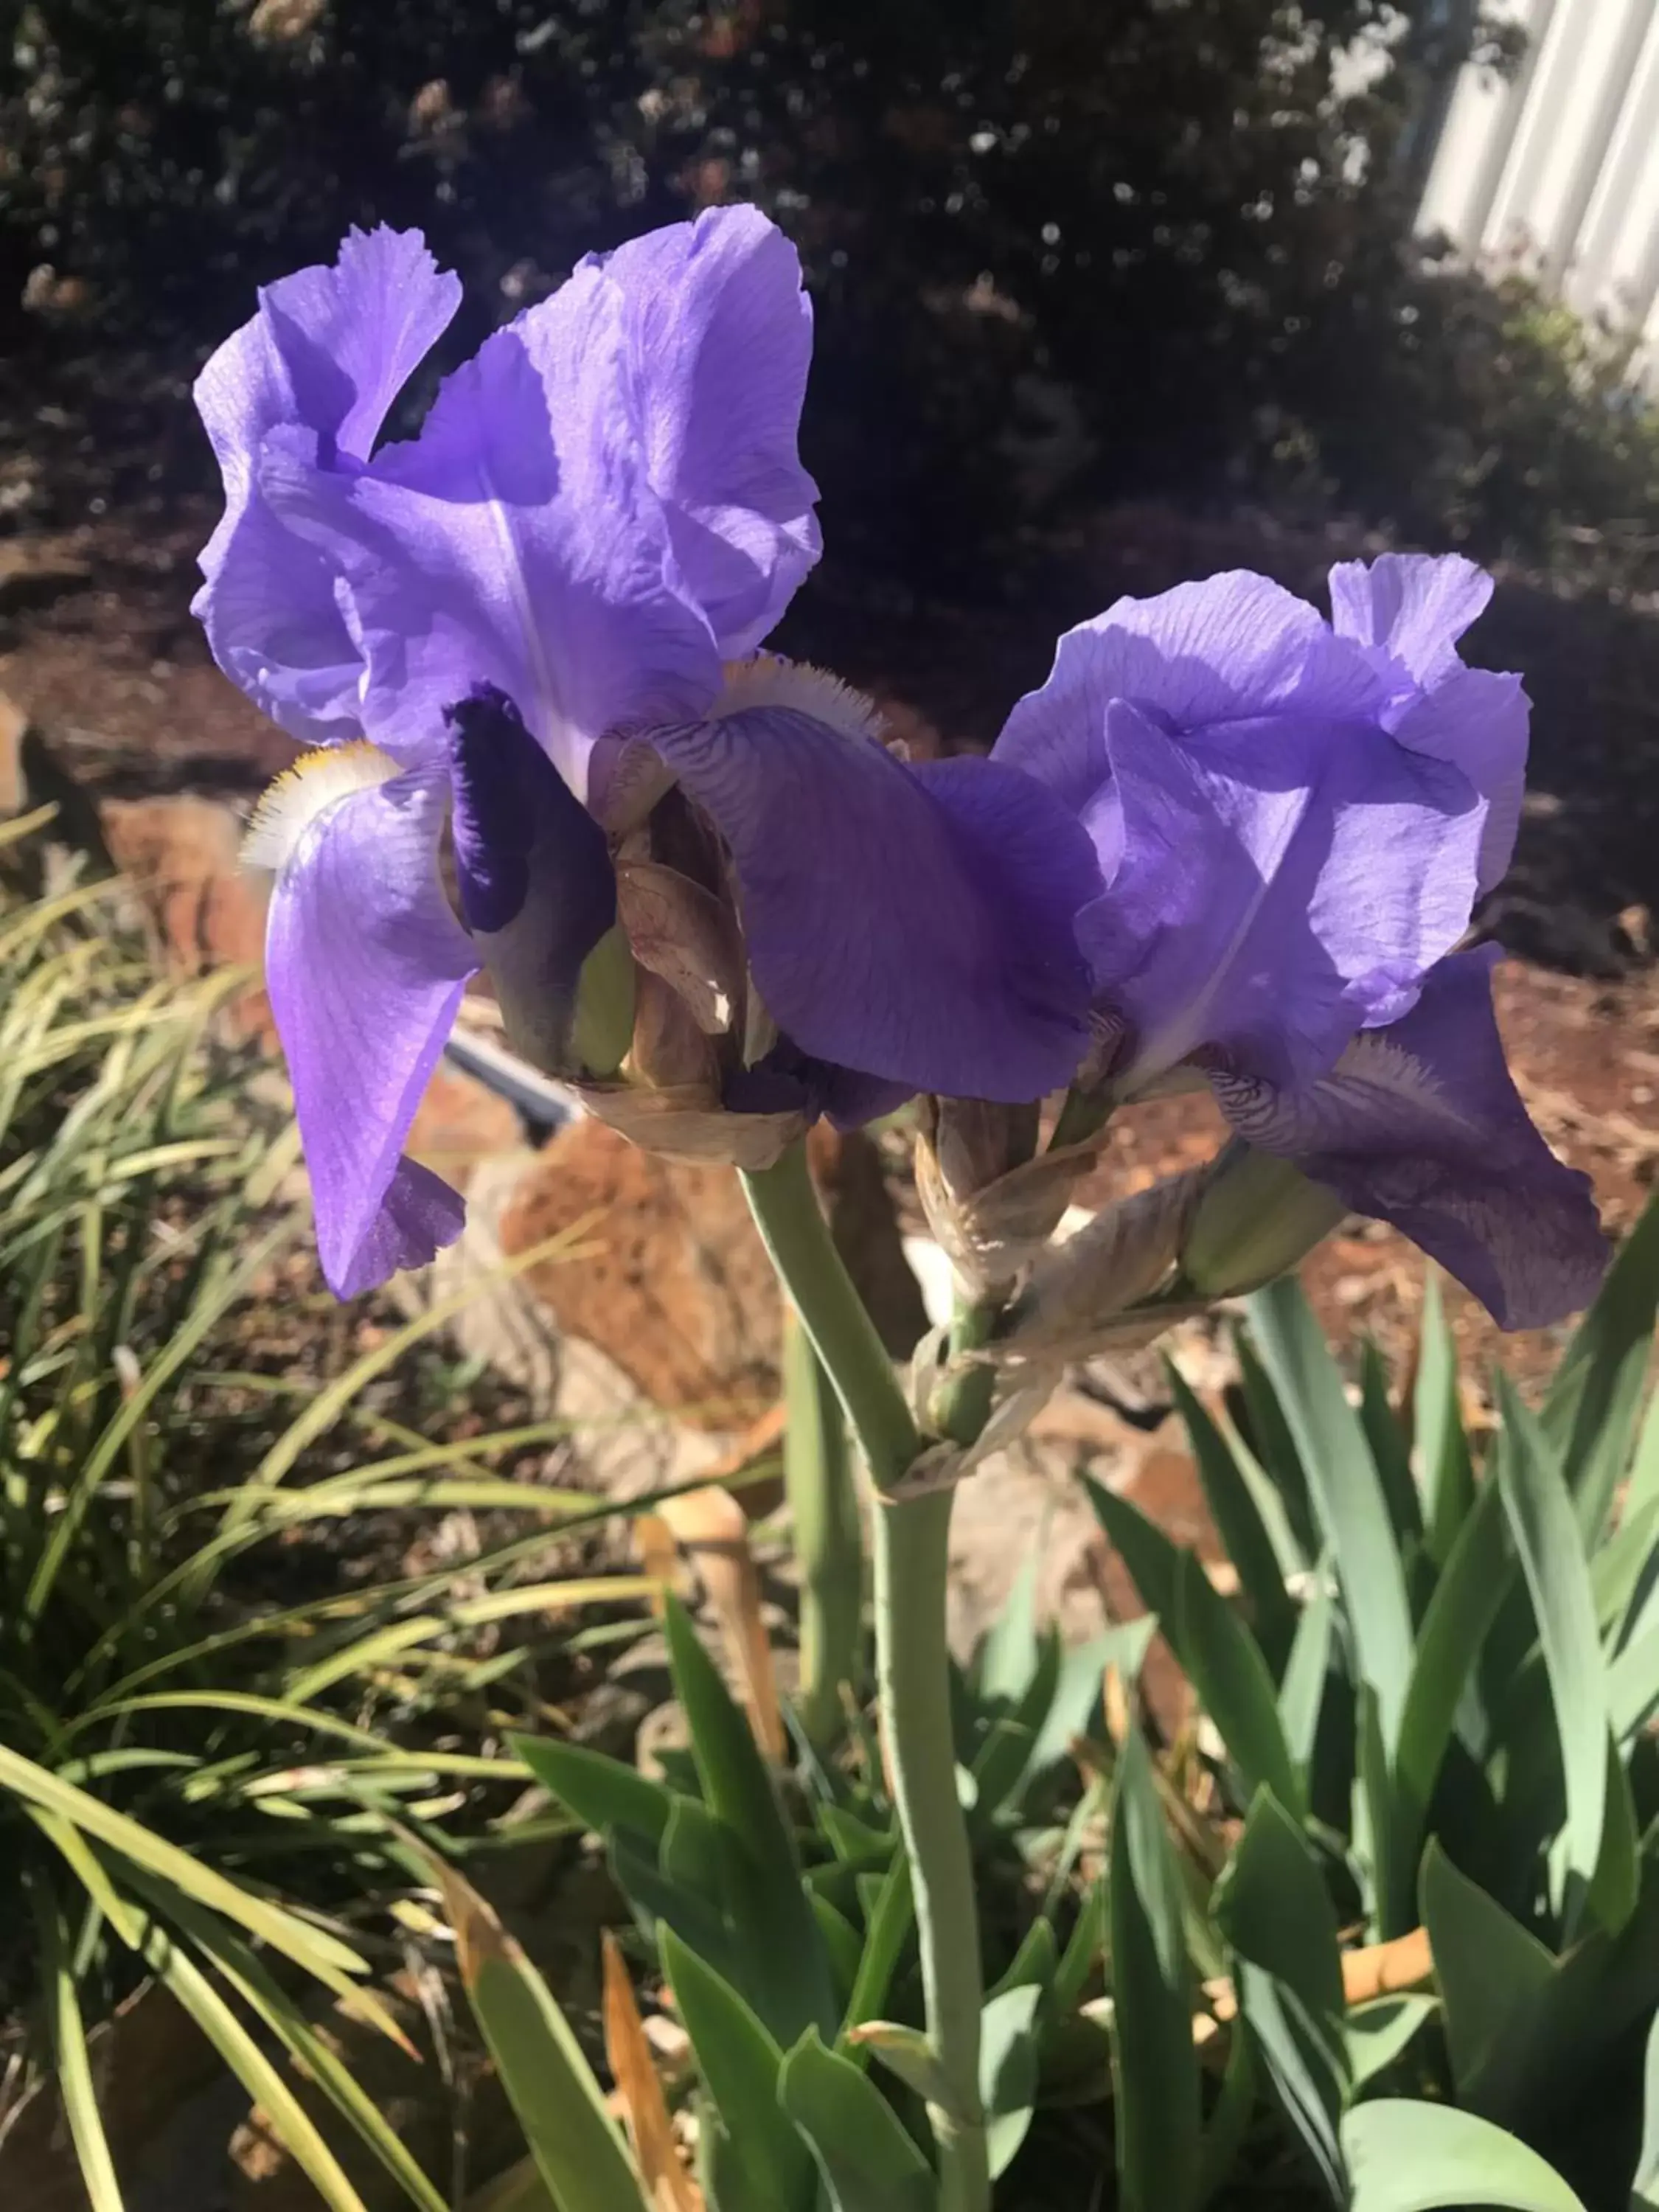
(1381, 1968)
(659, 1555)
(712, 1530)
(761, 1441)
(1114, 1705)
(645, 2109)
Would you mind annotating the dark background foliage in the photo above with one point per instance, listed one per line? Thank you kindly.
(1061, 251)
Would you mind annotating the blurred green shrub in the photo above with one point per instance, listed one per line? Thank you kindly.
(1056, 249)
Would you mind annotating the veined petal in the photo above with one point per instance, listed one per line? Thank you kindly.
(1420, 1124)
(1282, 884)
(328, 350)
(719, 335)
(1410, 610)
(366, 965)
(1414, 606)
(1478, 720)
(517, 542)
(1236, 647)
(912, 924)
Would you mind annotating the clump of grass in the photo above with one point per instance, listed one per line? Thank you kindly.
(214, 1769)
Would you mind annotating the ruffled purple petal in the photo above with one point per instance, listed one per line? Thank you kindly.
(1410, 610)
(328, 351)
(516, 543)
(719, 335)
(915, 924)
(1274, 880)
(1420, 1125)
(1478, 721)
(1414, 606)
(366, 965)
(1234, 648)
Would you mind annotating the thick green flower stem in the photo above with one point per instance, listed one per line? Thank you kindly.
(829, 1545)
(911, 1542)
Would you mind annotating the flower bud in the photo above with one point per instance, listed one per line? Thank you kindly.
(1085, 1290)
(991, 1205)
(1256, 1217)
(603, 1024)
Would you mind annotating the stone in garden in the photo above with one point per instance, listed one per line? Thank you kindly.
(31, 775)
(182, 856)
(677, 1291)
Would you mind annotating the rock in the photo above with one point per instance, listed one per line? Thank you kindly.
(168, 2106)
(678, 1293)
(1022, 1502)
(1028, 1497)
(459, 1124)
(182, 855)
(32, 775)
(411, 2092)
(502, 1323)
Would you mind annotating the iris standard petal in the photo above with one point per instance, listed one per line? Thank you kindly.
(1411, 609)
(1414, 606)
(1478, 720)
(1281, 866)
(719, 338)
(366, 965)
(328, 350)
(914, 924)
(1281, 883)
(517, 542)
(1420, 1124)
(1232, 648)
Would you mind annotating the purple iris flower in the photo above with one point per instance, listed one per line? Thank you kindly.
(1294, 820)
(511, 634)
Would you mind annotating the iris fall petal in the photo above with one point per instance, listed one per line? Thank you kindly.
(366, 965)
(1420, 1125)
(914, 923)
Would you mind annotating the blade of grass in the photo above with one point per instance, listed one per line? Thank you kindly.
(321, 1955)
(326, 1408)
(1154, 2064)
(1547, 1537)
(668, 2185)
(1589, 1415)
(581, 2157)
(1442, 1449)
(205, 1312)
(74, 2060)
(1342, 1476)
(1242, 1530)
(265, 1997)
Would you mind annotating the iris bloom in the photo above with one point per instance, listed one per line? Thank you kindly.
(523, 646)
(1294, 820)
